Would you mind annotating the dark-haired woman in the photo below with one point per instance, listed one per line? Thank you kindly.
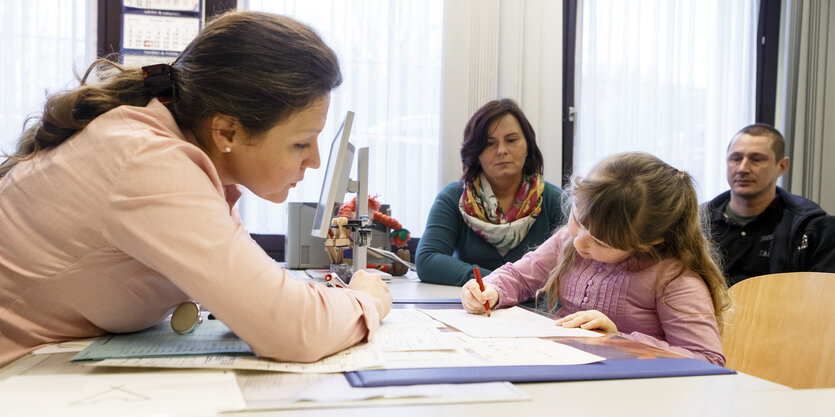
(499, 210)
(119, 202)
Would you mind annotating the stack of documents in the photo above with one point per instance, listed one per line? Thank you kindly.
(407, 338)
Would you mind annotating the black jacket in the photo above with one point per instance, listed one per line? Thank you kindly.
(792, 234)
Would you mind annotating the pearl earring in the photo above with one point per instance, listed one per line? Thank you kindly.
(227, 149)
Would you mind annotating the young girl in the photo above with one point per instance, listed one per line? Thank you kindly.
(632, 260)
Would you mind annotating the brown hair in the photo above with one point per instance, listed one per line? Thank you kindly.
(778, 144)
(476, 132)
(632, 199)
(257, 67)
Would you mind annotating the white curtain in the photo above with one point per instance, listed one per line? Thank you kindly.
(672, 78)
(805, 108)
(502, 49)
(42, 44)
(390, 55)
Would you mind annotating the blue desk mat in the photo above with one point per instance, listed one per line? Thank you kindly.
(607, 369)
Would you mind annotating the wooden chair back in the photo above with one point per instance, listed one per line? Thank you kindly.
(781, 327)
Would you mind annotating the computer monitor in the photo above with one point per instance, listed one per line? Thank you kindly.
(335, 183)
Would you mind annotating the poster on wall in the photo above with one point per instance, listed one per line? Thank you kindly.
(156, 31)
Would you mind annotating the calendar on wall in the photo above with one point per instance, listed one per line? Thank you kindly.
(156, 31)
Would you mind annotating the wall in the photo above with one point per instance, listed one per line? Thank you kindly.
(502, 49)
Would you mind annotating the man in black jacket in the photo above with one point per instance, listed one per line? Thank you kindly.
(759, 227)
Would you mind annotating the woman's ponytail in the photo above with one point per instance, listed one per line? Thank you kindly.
(67, 112)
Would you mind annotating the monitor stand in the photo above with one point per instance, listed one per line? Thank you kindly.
(362, 229)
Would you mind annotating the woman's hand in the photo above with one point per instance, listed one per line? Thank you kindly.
(372, 285)
(589, 320)
(473, 299)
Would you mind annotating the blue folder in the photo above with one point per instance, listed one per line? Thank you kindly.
(607, 369)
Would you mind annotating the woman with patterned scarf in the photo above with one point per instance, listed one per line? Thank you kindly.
(499, 210)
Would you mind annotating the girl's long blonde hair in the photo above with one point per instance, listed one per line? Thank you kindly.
(632, 199)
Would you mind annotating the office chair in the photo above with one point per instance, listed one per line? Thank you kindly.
(781, 327)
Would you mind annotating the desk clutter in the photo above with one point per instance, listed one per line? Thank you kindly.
(418, 356)
(388, 248)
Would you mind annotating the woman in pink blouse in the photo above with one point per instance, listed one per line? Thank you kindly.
(632, 260)
(119, 202)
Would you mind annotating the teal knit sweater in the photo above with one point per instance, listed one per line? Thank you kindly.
(449, 249)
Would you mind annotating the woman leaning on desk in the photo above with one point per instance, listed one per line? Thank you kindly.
(499, 210)
(119, 204)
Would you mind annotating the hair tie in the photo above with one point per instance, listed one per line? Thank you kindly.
(158, 82)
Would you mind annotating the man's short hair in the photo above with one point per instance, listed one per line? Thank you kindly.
(778, 144)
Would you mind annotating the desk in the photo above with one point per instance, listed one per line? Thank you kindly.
(719, 395)
(408, 288)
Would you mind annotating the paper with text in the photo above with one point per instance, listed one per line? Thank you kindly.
(211, 337)
(506, 322)
(410, 317)
(287, 391)
(394, 338)
(482, 351)
(356, 358)
(194, 392)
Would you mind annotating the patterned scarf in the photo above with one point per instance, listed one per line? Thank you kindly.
(481, 211)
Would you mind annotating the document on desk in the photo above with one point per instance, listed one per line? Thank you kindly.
(364, 356)
(274, 391)
(410, 317)
(194, 392)
(211, 337)
(356, 358)
(404, 341)
(63, 347)
(486, 351)
(506, 322)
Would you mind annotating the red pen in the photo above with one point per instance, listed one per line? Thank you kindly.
(481, 286)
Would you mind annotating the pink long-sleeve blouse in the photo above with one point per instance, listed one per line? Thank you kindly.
(126, 219)
(679, 319)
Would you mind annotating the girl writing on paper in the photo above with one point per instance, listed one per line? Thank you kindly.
(632, 260)
(119, 203)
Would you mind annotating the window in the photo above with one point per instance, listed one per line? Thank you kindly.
(675, 79)
(44, 42)
(390, 55)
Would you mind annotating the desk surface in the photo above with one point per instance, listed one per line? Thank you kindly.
(717, 395)
(409, 288)
(721, 395)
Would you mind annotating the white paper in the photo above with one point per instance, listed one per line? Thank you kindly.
(63, 347)
(408, 317)
(284, 391)
(195, 393)
(394, 338)
(492, 352)
(506, 322)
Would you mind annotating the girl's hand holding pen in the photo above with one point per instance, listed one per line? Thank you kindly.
(472, 298)
(372, 285)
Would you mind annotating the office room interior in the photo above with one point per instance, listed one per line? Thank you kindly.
(676, 79)
(673, 78)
